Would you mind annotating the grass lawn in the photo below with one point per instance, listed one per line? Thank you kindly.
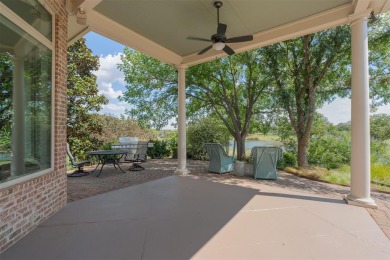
(380, 175)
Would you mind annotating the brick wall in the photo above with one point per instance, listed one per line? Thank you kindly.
(29, 203)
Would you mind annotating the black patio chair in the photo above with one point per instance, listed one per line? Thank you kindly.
(79, 165)
(137, 155)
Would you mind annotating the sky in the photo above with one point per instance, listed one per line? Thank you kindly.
(111, 82)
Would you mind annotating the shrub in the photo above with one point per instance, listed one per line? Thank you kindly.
(331, 150)
(205, 130)
(288, 160)
(172, 142)
(159, 150)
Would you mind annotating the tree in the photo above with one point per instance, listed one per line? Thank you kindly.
(314, 69)
(229, 88)
(307, 72)
(83, 98)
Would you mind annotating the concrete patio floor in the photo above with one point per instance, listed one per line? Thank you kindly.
(207, 216)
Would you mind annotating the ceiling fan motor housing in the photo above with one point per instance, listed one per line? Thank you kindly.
(218, 38)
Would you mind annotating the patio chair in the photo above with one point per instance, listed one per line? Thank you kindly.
(264, 162)
(220, 162)
(137, 155)
(79, 165)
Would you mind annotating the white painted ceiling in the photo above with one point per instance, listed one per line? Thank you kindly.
(160, 27)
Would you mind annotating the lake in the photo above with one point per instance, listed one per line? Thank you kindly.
(249, 144)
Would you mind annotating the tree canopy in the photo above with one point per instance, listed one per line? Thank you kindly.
(83, 97)
(229, 88)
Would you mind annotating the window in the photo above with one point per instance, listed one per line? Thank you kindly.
(25, 91)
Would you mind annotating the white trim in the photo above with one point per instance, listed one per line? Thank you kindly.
(78, 36)
(22, 24)
(25, 178)
(53, 92)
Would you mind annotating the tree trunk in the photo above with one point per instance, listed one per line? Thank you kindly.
(240, 147)
(302, 152)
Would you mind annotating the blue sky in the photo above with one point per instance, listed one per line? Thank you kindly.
(112, 84)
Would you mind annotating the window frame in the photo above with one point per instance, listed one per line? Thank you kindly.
(22, 24)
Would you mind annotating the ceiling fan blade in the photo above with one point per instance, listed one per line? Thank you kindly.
(228, 50)
(198, 39)
(221, 28)
(244, 38)
(205, 50)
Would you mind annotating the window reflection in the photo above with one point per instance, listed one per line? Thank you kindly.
(33, 13)
(25, 103)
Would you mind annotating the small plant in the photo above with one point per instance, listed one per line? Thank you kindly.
(288, 160)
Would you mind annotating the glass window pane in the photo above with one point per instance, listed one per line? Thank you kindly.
(25, 103)
(33, 13)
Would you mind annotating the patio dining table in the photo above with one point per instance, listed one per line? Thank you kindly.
(107, 156)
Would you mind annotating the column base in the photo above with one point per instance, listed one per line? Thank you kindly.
(182, 171)
(360, 202)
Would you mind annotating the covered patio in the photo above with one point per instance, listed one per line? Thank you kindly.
(208, 216)
(190, 213)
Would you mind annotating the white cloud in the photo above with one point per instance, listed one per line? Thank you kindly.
(109, 78)
(114, 108)
(107, 90)
(108, 71)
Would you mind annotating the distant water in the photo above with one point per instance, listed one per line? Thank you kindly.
(249, 144)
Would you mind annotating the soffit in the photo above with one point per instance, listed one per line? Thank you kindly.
(170, 22)
(160, 27)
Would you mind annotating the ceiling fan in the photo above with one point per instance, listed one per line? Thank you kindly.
(219, 39)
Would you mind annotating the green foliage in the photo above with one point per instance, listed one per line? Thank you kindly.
(379, 151)
(115, 127)
(151, 89)
(6, 70)
(206, 130)
(288, 160)
(329, 147)
(172, 143)
(159, 150)
(83, 100)
(380, 127)
(330, 151)
(379, 60)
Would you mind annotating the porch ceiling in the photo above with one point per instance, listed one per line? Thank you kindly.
(160, 28)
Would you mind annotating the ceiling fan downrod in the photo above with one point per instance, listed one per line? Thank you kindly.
(218, 4)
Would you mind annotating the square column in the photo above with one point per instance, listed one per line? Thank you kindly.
(360, 115)
(182, 138)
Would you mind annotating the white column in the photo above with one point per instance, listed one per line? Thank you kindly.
(18, 128)
(182, 150)
(360, 116)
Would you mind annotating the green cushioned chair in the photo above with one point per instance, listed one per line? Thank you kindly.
(264, 162)
(220, 162)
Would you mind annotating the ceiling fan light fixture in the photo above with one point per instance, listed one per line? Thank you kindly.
(218, 46)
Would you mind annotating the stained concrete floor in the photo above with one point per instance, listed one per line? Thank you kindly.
(205, 216)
